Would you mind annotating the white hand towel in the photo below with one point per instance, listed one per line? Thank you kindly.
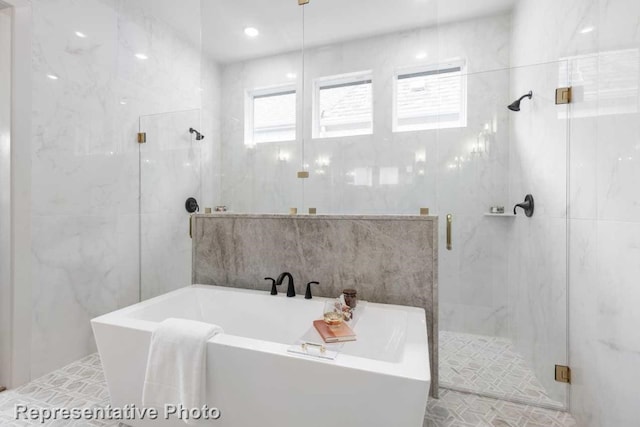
(176, 366)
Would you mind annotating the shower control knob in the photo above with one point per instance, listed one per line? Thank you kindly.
(191, 205)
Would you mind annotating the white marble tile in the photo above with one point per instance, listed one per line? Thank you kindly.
(603, 317)
(165, 261)
(538, 296)
(170, 162)
(75, 278)
(614, 339)
(482, 39)
(617, 24)
(586, 387)
(85, 162)
(583, 77)
(547, 30)
(211, 128)
(473, 275)
(618, 166)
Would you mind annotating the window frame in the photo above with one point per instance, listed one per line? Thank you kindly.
(249, 110)
(365, 76)
(431, 69)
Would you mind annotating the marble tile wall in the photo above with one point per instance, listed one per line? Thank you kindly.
(600, 44)
(85, 158)
(387, 259)
(5, 162)
(434, 167)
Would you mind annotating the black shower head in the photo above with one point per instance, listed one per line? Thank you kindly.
(199, 136)
(515, 105)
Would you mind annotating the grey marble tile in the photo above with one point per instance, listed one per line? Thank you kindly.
(388, 259)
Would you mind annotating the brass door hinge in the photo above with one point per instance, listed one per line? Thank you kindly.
(142, 137)
(303, 2)
(563, 374)
(303, 174)
(563, 95)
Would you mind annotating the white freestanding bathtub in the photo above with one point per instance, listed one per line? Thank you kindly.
(382, 379)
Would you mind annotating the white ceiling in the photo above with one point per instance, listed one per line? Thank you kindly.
(280, 22)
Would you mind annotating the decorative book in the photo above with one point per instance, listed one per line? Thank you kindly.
(340, 333)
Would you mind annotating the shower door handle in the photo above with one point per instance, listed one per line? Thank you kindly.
(449, 224)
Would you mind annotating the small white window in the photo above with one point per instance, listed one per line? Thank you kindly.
(432, 97)
(343, 105)
(270, 115)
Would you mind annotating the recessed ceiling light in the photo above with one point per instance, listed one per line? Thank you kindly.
(141, 56)
(586, 30)
(291, 76)
(251, 32)
(52, 76)
(81, 35)
(123, 101)
(421, 55)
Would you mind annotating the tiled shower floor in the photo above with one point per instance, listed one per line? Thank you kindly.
(82, 384)
(488, 365)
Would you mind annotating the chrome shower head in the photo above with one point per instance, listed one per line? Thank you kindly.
(199, 136)
(515, 105)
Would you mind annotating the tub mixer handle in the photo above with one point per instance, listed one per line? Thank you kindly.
(274, 290)
(307, 294)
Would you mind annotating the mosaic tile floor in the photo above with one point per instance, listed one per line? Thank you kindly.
(78, 385)
(455, 409)
(488, 365)
(82, 384)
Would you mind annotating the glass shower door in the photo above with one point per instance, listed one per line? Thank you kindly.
(503, 284)
(170, 173)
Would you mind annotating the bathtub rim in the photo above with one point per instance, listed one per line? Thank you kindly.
(413, 365)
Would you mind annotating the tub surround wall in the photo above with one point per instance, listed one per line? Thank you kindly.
(388, 259)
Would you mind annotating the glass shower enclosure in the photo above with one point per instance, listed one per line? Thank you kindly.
(386, 117)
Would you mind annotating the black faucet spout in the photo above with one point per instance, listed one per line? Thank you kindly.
(291, 290)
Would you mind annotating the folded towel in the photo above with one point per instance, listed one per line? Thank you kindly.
(176, 366)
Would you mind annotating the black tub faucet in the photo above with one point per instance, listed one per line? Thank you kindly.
(291, 290)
